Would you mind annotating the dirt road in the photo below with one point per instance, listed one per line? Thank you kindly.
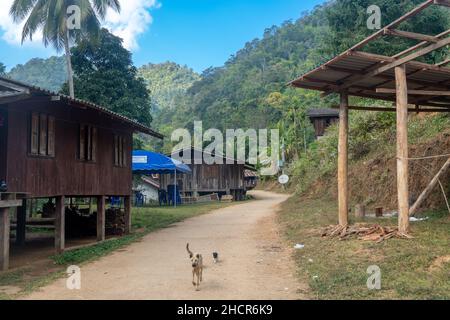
(254, 264)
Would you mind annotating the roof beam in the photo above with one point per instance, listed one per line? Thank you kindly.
(419, 45)
(417, 92)
(392, 109)
(411, 35)
(397, 62)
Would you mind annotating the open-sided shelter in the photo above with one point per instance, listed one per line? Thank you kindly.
(412, 85)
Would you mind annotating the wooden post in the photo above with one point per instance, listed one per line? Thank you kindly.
(60, 225)
(343, 161)
(4, 236)
(101, 232)
(127, 214)
(402, 149)
(21, 223)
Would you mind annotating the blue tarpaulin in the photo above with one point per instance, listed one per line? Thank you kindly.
(147, 162)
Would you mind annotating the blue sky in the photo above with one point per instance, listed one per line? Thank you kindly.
(197, 33)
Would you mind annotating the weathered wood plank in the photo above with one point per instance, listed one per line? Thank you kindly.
(101, 218)
(127, 202)
(417, 92)
(402, 149)
(60, 222)
(343, 161)
(10, 203)
(411, 35)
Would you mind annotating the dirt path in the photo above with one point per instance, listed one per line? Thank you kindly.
(254, 262)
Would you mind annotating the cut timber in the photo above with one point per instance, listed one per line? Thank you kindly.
(343, 161)
(101, 218)
(402, 149)
(429, 188)
(60, 225)
(364, 232)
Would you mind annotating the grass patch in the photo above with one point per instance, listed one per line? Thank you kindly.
(144, 221)
(337, 269)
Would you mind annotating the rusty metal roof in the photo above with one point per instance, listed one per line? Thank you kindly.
(9, 88)
(421, 76)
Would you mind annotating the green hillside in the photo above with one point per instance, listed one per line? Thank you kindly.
(48, 73)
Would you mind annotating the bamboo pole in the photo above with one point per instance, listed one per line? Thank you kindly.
(343, 161)
(402, 149)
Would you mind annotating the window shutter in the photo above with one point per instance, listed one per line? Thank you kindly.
(82, 150)
(34, 141)
(51, 136)
(94, 144)
(43, 135)
(124, 151)
(89, 143)
(120, 151)
(116, 150)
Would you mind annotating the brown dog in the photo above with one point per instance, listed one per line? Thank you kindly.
(197, 267)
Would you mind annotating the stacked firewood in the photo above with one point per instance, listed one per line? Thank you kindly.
(115, 222)
(364, 232)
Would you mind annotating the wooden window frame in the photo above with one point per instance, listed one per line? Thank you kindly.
(120, 159)
(42, 135)
(87, 143)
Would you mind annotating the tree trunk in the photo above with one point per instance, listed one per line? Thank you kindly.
(69, 66)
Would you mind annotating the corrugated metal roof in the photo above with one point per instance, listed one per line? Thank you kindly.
(317, 113)
(349, 66)
(9, 86)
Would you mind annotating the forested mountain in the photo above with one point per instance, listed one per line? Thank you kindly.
(45, 73)
(166, 82)
(250, 90)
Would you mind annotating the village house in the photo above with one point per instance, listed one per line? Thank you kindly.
(223, 179)
(322, 119)
(58, 148)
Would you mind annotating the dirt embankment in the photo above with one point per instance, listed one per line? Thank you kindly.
(374, 183)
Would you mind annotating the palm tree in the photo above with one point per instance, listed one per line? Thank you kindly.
(51, 16)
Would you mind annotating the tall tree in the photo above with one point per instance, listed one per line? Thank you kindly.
(2, 69)
(105, 74)
(52, 17)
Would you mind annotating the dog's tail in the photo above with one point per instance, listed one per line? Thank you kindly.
(189, 251)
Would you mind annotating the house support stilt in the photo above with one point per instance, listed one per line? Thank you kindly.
(101, 231)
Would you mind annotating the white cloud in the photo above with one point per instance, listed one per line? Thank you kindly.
(133, 20)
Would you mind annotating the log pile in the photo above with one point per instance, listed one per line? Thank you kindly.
(363, 232)
(115, 222)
